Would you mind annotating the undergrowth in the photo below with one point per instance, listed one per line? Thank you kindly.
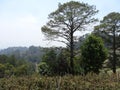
(67, 82)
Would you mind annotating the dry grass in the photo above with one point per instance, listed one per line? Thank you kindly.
(68, 82)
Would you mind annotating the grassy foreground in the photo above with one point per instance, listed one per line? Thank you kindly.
(68, 82)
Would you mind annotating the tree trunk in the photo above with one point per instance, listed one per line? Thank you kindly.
(71, 54)
(114, 51)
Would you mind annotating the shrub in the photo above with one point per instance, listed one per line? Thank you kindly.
(93, 54)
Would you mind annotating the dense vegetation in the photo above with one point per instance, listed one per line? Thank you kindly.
(10, 66)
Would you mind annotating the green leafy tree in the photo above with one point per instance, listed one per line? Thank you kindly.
(50, 59)
(93, 54)
(9, 70)
(110, 26)
(2, 70)
(12, 60)
(21, 70)
(54, 62)
(78, 60)
(62, 66)
(3, 59)
(43, 69)
(65, 21)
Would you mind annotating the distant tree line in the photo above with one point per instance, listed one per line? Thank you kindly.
(31, 54)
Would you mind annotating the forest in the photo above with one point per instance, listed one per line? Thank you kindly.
(88, 62)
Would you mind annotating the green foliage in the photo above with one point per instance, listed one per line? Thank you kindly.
(2, 70)
(93, 54)
(9, 70)
(21, 70)
(50, 59)
(43, 68)
(62, 65)
(54, 62)
(47, 66)
(3, 59)
(10, 66)
(78, 67)
(12, 60)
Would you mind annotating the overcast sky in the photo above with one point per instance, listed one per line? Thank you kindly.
(21, 20)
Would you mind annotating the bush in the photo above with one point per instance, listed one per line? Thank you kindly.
(93, 54)
(43, 69)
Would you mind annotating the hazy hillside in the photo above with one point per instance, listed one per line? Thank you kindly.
(12, 50)
(32, 53)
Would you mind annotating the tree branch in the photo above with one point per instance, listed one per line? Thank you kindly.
(81, 22)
